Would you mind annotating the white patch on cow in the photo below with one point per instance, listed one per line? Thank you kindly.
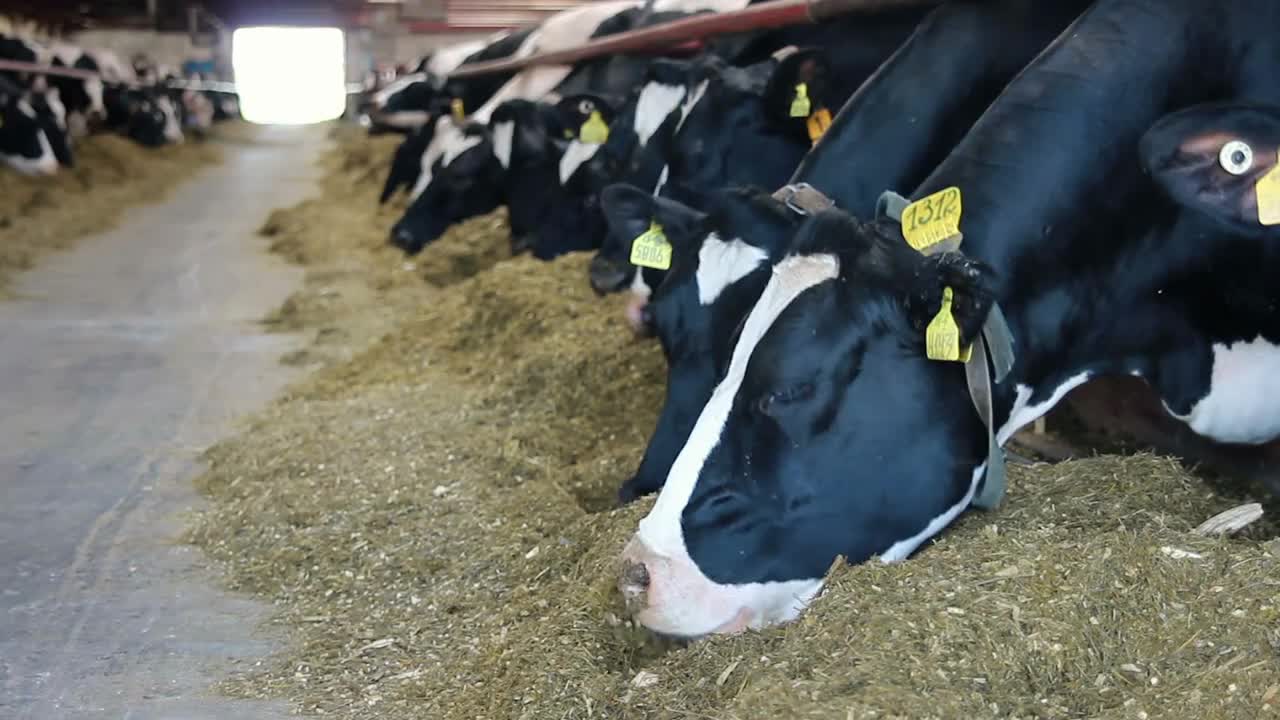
(577, 153)
(1243, 402)
(504, 134)
(407, 119)
(24, 106)
(446, 133)
(697, 5)
(721, 264)
(691, 102)
(172, 125)
(902, 549)
(53, 99)
(639, 287)
(1023, 413)
(46, 163)
(453, 150)
(381, 97)
(662, 179)
(447, 59)
(655, 103)
(94, 89)
(685, 108)
(693, 604)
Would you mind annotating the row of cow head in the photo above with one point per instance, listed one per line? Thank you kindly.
(44, 114)
(809, 415)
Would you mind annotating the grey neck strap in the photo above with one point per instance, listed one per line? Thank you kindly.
(997, 344)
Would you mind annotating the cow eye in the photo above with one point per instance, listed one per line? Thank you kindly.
(1236, 157)
(770, 403)
(585, 107)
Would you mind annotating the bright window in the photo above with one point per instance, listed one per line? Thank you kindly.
(289, 76)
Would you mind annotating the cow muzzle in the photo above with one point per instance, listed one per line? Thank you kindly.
(607, 276)
(670, 596)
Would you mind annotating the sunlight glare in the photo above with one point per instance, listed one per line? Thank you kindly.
(289, 75)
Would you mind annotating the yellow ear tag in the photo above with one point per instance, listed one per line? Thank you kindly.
(651, 249)
(595, 130)
(800, 105)
(818, 124)
(1268, 190)
(942, 337)
(459, 113)
(929, 221)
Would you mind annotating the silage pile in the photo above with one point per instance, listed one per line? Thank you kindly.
(39, 215)
(429, 513)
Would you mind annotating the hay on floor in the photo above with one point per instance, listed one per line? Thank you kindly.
(39, 215)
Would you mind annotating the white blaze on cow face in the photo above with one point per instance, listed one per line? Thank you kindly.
(381, 97)
(447, 133)
(685, 108)
(453, 150)
(655, 103)
(574, 156)
(53, 99)
(172, 126)
(503, 137)
(680, 599)
(447, 59)
(721, 264)
(1243, 402)
(45, 163)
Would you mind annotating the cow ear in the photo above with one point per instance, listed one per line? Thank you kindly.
(631, 211)
(798, 87)
(972, 285)
(627, 209)
(1221, 160)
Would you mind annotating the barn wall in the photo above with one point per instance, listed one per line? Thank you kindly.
(368, 49)
(172, 49)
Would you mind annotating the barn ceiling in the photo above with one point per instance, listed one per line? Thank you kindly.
(414, 15)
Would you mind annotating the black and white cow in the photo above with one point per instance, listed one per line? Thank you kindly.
(425, 220)
(725, 244)
(409, 162)
(728, 109)
(24, 139)
(832, 434)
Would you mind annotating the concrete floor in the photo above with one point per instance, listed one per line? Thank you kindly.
(120, 361)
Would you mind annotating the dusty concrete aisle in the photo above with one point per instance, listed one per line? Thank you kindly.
(122, 360)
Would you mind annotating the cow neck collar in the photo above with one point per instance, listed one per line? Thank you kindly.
(996, 343)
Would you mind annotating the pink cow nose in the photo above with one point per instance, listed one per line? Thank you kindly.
(634, 585)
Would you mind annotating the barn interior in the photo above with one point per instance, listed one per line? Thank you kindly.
(261, 460)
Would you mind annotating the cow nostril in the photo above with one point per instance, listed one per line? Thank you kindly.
(635, 579)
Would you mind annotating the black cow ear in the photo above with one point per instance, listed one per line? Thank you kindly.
(972, 289)
(1220, 159)
(798, 87)
(627, 209)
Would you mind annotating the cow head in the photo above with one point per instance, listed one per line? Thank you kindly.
(463, 181)
(1213, 159)
(630, 212)
(727, 109)
(830, 434)
(24, 146)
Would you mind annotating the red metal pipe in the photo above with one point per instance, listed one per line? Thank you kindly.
(777, 13)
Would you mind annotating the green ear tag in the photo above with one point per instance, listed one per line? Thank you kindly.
(942, 337)
(594, 131)
(651, 249)
(800, 105)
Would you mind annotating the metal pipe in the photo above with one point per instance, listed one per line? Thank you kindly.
(774, 14)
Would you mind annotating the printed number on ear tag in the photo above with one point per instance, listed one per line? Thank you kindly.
(818, 124)
(1268, 190)
(459, 112)
(651, 249)
(800, 105)
(942, 337)
(931, 220)
(594, 131)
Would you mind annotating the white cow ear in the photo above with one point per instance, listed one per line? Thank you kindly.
(1222, 160)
